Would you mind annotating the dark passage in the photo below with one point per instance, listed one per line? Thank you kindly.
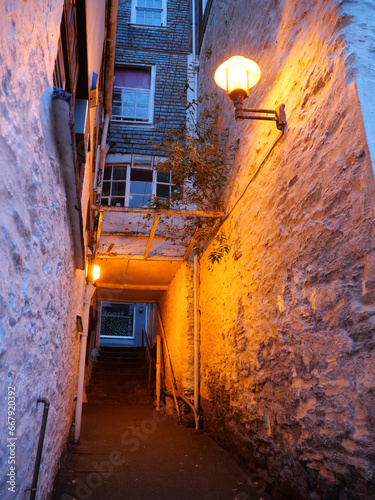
(130, 451)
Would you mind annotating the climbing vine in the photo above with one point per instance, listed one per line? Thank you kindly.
(199, 157)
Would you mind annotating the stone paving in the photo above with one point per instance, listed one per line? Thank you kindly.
(130, 451)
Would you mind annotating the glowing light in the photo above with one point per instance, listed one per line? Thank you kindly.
(237, 73)
(95, 273)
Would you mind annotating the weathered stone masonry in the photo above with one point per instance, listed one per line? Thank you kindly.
(287, 318)
(38, 284)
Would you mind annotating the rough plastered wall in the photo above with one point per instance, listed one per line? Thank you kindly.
(177, 314)
(287, 317)
(38, 297)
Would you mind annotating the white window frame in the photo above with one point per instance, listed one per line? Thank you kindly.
(129, 165)
(116, 336)
(151, 98)
(163, 15)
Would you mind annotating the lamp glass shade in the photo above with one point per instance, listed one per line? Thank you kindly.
(237, 73)
(95, 273)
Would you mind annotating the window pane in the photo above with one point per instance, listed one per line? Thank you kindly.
(107, 172)
(118, 188)
(129, 96)
(140, 18)
(116, 110)
(141, 174)
(162, 191)
(141, 3)
(104, 202)
(106, 190)
(164, 177)
(134, 78)
(142, 97)
(129, 111)
(142, 161)
(142, 111)
(119, 173)
(140, 188)
(157, 18)
(117, 320)
(138, 201)
(117, 202)
(116, 97)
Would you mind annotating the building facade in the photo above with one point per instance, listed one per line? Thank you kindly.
(51, 99)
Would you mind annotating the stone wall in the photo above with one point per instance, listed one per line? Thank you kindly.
(177, 314)
(287, 317)
(38, 293)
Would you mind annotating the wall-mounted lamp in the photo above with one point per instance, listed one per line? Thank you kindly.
(237, 75)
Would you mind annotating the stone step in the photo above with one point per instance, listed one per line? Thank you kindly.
(108, 378)
(119, 361)
(123, 385)
(105, 399)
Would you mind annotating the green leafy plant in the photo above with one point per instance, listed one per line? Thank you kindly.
(199, 156)
(221, 247)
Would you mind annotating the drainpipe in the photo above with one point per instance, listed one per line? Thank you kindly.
(89, 293)
(109, 74)
(110, 54)
(103, 149)
(196, 334)
(158, 371)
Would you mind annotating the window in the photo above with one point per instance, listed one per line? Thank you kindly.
(149, 12)
(117, 320)
(65, 74)
(133, 94)
(135, 183)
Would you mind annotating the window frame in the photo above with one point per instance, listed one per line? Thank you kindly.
(133, 17)
(129, 166)
(151, 99)
(122, 337)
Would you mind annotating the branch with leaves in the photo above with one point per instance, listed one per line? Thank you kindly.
(199, 158)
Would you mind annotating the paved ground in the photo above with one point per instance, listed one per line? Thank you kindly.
(133, 452)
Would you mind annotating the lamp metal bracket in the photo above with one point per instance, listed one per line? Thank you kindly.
(279, 115)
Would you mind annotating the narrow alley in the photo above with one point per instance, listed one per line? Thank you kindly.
(129, 450)
(187, 250)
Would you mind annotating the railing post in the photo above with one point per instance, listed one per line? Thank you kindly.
(158, 371)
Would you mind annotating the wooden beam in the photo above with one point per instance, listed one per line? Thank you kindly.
(191, 244)
(98, 234)
(131, 287)
(152, 234)
(127, 299)
(154, 258)
(108, 251)
(161, 211)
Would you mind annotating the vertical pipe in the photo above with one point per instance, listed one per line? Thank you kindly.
(196, 335)
(40, 447)
(89, 292)
(158, 371)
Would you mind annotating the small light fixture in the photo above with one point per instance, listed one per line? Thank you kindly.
(140, 309)
(79, 324)
(237, 75)
(95, 273)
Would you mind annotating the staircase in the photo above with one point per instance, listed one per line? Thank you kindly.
(119, 375)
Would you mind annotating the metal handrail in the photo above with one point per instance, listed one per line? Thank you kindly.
(189, 403)
(40, 448)
(148, 357)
